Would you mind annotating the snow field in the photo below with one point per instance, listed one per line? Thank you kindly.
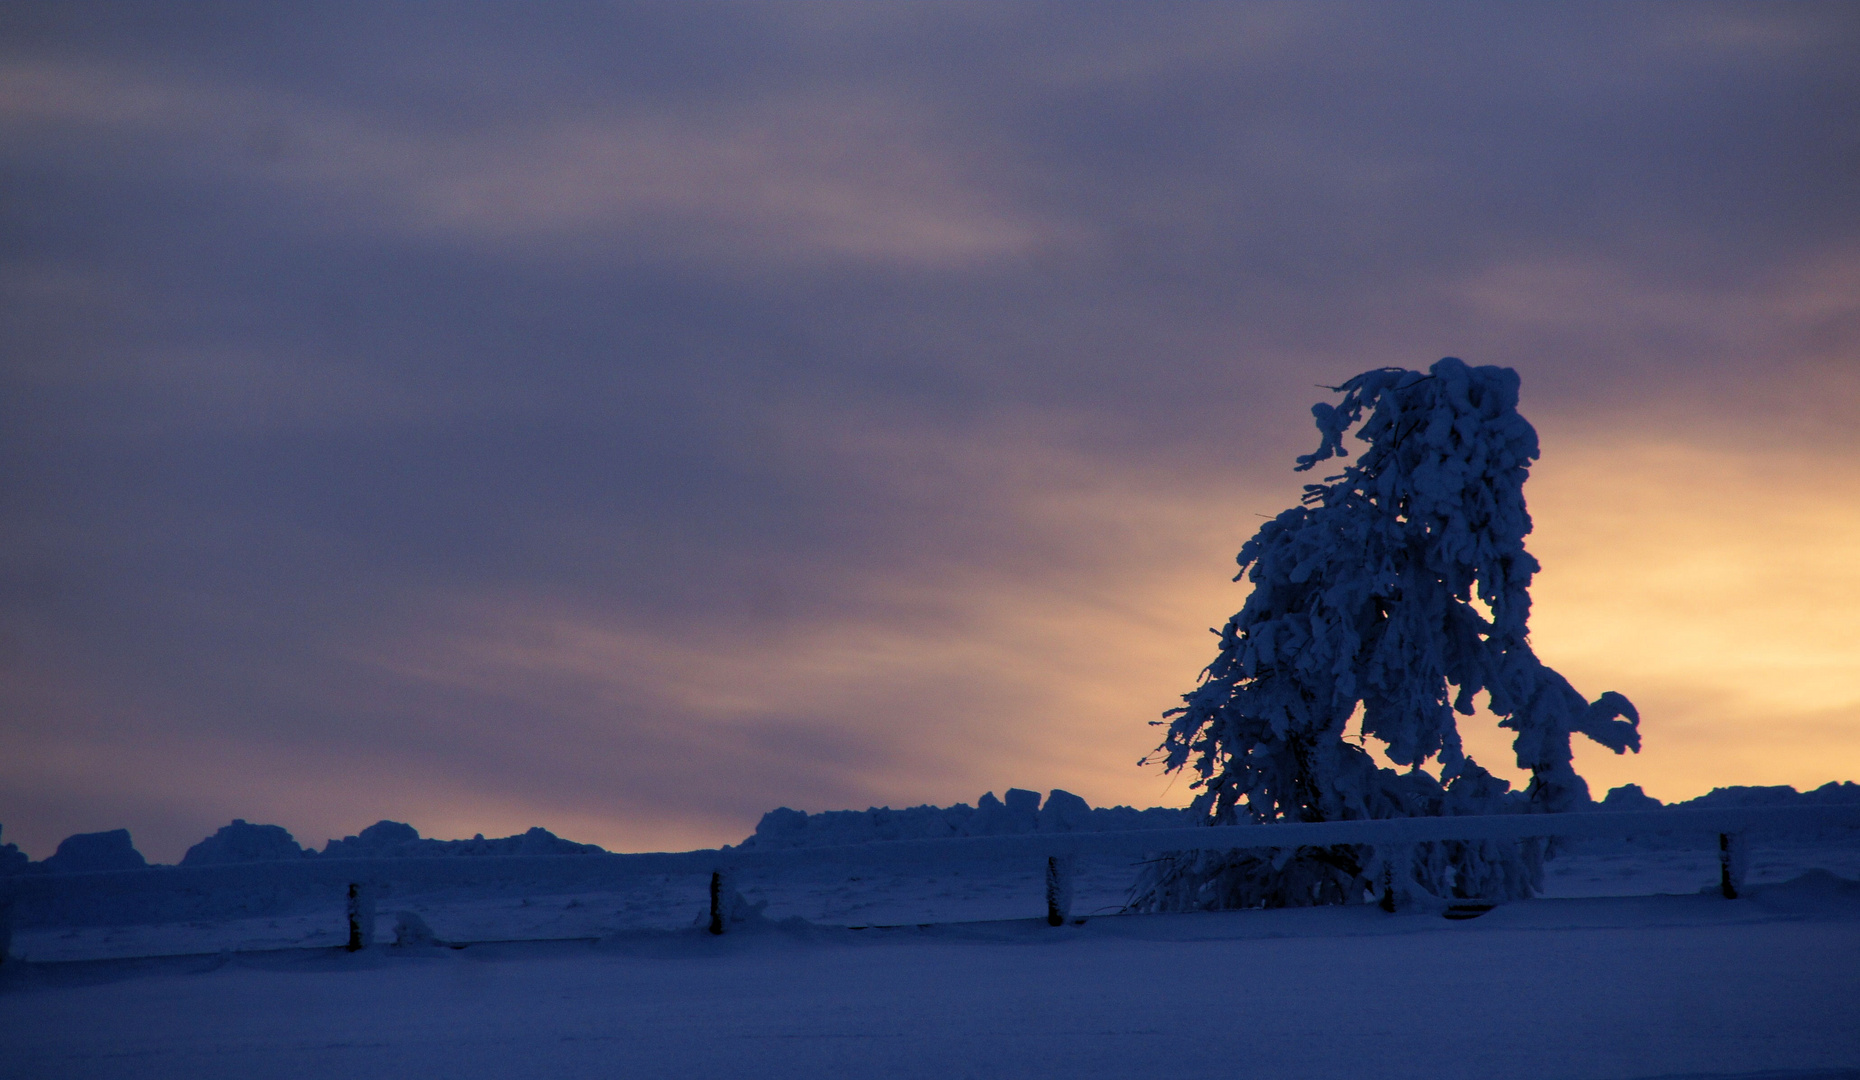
(1597, 989)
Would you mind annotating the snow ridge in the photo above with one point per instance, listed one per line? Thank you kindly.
(1021, 812)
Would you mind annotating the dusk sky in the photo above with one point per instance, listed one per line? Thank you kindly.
(629, 418)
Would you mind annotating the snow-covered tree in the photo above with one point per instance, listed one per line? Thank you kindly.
(1398, 591)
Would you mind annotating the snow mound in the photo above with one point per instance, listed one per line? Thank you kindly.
(243, 843)
(13, 860)
(1829, 794)
(394, 839)
(1813, 892)
(86, 852)
(411, 931)
(1629, 797)
(1020, 812)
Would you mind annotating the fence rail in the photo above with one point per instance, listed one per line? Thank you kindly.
(360, 879)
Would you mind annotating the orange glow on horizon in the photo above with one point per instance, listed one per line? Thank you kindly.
(1732, 621)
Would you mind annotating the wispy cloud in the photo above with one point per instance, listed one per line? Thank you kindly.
(847, 176)
(629, 418)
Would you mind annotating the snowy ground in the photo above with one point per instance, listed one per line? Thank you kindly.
(1599, 981)
(1603, 988)
(833, 896)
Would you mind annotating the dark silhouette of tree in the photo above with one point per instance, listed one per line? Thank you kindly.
(1400, 588)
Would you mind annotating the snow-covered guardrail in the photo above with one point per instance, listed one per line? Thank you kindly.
(360, 879)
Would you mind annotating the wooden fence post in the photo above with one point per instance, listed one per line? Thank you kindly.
(722, 893)
(361, 916)
(1058, 889)
(1733, 862)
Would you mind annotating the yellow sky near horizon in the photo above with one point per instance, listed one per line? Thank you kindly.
(1719, 589)
(1715, 587)
(1731, 619)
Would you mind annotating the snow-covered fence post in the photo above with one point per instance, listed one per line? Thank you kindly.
(1397, 876)
(1733, 861)
(361, 915)
(722, 892)
(1058, 889)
